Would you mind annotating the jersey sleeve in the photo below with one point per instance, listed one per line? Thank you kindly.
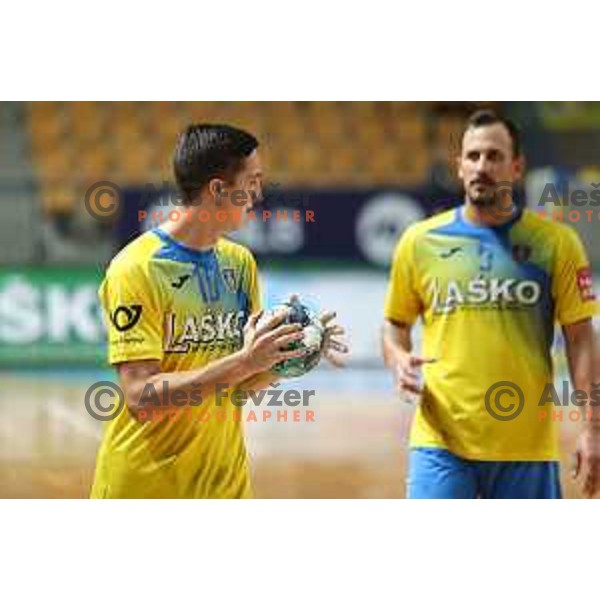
(402, 302)
(132, 313)
(573, 289)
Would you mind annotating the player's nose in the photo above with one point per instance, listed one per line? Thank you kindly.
(483, 166)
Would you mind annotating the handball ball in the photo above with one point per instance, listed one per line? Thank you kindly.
(313, 339)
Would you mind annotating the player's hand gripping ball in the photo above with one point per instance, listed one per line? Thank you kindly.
(312, 342)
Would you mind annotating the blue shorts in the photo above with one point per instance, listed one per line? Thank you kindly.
(437, 473)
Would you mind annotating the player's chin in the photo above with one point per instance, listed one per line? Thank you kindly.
(480, 196)
(234, 224)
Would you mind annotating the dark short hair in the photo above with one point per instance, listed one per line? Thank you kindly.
(482, 118)
(205, 152)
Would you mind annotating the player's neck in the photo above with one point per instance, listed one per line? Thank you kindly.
(486, 216)
(193, 234)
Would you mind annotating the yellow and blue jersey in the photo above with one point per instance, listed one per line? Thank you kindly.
(185, 308)
(489, 298)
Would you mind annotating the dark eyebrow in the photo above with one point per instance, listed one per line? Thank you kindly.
(485, 151)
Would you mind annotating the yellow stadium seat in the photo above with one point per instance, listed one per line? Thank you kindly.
(302, 143)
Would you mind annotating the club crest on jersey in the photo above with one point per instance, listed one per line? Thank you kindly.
(521, 252)
(230, 279)
(484, 293)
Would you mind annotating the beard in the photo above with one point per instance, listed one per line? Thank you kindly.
(487, 192)
(483, 194)
(483, 200)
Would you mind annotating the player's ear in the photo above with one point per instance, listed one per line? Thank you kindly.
(518, 168)
(216, 187)
(459, 170)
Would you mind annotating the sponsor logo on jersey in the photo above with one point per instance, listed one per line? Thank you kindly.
(585, 284)
(483, 293)
(180, 281)
(191, 332)
(127, 339)
(451, 252)
(124, 317)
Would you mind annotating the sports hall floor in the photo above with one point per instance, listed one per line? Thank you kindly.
(356, 448)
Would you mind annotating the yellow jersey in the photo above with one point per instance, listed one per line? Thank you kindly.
(165, 301)
(488, 298)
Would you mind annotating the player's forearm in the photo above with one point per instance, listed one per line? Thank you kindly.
(259, 382)
(582, 358)
(183, 388)
(583, 379)
(396, 341)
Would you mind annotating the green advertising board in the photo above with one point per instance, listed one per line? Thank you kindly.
(50, 316)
